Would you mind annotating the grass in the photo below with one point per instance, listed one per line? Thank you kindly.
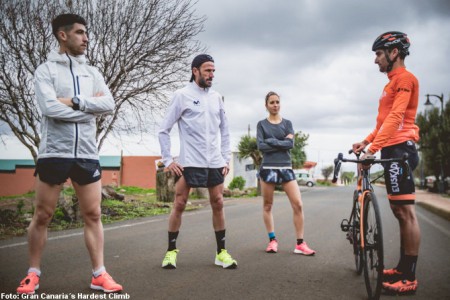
(138, 203)
(27, 195)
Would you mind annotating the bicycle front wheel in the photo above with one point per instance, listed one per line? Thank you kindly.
(373, 247)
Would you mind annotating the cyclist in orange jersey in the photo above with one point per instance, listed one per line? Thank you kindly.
(396, 133)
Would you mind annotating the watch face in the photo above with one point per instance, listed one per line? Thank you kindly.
(76, 103)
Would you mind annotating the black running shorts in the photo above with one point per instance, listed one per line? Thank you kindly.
(58, 170)
(203, 177)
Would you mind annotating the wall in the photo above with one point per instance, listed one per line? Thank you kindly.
(237, 168)
(139, 171)
(19, 182)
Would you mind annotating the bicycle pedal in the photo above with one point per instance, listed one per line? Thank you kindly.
(345, 225)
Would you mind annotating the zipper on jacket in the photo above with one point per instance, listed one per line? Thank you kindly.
(76, 91)
(208, 126)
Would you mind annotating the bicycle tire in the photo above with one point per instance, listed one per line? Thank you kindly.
(373, 247)
(355, 226)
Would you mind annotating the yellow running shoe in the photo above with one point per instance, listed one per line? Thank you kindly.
(225, 260)
(170, 260)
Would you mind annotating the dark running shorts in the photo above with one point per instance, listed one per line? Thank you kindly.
(203, 177)
(400, 189)
(58, 170)
(276, 176)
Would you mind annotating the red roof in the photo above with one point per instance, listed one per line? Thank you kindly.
(309, 164)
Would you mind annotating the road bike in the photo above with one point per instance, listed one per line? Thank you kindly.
(363, 227)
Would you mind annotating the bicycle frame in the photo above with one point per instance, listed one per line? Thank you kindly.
(363, 185)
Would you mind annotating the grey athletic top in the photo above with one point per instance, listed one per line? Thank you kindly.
(272, 142)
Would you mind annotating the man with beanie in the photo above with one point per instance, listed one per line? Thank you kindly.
(203, 160)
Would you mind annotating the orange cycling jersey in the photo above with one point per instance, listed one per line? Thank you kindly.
(396, 111)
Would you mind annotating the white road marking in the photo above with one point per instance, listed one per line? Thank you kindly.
(109, 228)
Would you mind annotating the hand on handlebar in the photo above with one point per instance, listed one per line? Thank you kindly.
(359, 147)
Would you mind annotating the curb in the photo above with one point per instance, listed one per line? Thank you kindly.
(437, 210)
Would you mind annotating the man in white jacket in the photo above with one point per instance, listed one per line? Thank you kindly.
(70, 94)
(204, 158)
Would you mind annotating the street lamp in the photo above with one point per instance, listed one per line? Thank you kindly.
(440, 183)
(441, 98)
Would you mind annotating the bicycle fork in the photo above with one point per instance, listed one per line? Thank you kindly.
(361, 217)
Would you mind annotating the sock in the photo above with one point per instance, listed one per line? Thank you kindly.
(410, 267)
(172, 240)
(35, 270)
(220, 239)
(400, 265)
(98, 272)
(272, 236)
(299, 241)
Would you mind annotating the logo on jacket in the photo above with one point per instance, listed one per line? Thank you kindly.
(196, 102)
(383, 95)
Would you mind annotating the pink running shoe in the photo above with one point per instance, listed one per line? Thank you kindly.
(272, 247)
(304, 249)
(105, 283)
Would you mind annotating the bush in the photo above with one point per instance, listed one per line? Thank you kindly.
(237, 182)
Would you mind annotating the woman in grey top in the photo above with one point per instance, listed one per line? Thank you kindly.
(275, 138)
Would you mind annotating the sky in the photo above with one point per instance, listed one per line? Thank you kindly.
(316, 54)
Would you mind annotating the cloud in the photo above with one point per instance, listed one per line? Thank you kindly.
(317, 55)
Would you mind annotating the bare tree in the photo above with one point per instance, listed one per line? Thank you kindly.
(142, 47)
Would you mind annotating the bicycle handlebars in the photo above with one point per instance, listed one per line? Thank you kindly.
(369, 160)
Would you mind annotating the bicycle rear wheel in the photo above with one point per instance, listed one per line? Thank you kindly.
(356, 235)
(373, 247)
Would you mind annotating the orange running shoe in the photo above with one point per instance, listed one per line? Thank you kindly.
(391, 275)
(29, 284)
(104, 282)
(401, 287)
(272, 247)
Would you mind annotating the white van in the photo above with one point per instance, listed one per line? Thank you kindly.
(304, 178)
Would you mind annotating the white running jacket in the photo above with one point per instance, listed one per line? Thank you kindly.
(67, 133)
(200, 115)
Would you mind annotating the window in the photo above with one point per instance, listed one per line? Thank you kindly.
(249, 167)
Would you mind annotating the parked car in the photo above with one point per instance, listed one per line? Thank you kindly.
(433, 185)
(305, 179)
(430, 182)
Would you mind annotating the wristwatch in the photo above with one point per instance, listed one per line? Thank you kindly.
(76, 103)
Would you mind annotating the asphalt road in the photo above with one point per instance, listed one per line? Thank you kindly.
(134, 251)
